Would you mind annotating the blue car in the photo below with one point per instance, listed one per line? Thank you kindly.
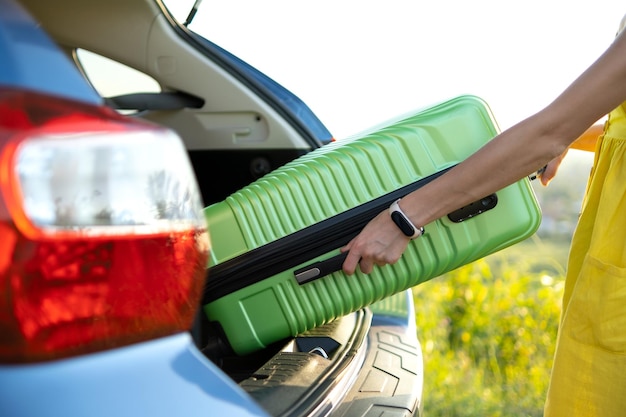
(118, 125)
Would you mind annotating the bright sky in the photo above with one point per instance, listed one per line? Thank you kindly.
(359, 62)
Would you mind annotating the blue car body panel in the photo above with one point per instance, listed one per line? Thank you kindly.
(164, 377)
(31, 60)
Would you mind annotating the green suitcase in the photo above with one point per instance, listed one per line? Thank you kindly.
(275, 265)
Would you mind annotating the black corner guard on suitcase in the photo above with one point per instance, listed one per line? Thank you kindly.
(313, 241)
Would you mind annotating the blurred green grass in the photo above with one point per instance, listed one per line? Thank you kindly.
(488, 332)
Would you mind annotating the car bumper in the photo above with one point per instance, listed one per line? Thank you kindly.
(164, 377)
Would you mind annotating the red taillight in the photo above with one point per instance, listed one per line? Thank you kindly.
(102, 238)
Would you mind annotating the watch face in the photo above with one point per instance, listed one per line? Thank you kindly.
(403, 223)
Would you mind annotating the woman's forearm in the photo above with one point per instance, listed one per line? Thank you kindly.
(517, 152)
(529, 145)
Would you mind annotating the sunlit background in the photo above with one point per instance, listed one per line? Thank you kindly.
(357, 63)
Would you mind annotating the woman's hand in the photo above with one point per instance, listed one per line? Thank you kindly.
(379, 243)
(550, 172)
(585, 142)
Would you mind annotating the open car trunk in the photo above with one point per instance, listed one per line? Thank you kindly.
(362, 363)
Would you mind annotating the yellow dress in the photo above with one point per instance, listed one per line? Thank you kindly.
(589, 372)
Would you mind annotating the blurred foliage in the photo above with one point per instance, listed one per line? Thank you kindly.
(488, 332)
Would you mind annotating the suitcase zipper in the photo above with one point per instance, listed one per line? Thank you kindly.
(298, 247)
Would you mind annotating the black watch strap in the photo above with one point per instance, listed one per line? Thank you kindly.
(403, 222)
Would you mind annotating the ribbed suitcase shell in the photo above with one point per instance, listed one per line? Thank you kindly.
(345, 175)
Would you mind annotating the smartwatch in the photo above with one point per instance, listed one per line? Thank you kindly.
(403, 222)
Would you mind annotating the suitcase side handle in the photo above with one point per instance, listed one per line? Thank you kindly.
(320, 269)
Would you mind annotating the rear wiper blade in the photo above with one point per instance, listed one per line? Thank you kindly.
(192, 13)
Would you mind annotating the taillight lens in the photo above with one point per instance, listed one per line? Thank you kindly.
(102, 238)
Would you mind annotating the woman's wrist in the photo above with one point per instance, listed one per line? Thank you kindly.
(403, 222)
